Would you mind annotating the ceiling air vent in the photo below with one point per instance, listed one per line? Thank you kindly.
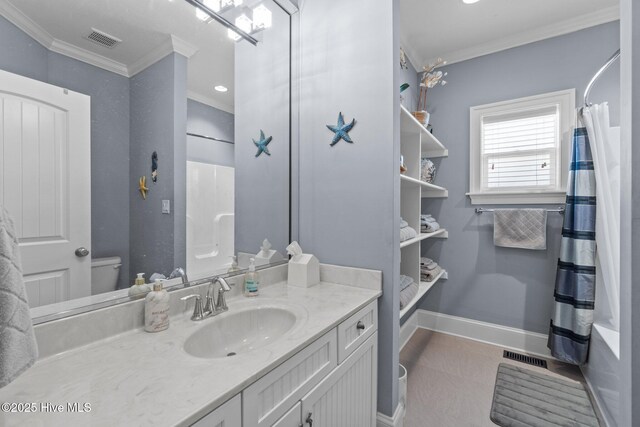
(103, 39)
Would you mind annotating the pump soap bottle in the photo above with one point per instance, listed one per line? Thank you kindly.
(156, 309)
(139, 288)
(251, 280)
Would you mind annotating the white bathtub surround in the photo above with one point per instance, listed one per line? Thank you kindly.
(118, 374)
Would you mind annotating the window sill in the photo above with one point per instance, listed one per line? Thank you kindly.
(510, 198)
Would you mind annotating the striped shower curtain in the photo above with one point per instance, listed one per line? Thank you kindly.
(570, 330)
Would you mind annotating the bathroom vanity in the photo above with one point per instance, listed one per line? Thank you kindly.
(318, 369)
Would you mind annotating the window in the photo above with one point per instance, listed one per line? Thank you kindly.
(520, 149)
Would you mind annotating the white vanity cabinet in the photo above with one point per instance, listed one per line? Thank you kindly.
(330, 383)
(347, 397)
(227, 415)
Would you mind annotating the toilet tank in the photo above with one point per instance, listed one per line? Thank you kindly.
(104, 274)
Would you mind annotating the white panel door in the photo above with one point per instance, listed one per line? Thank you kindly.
(45, 184)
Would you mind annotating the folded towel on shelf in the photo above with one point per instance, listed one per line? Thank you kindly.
(428, 223)
(405, 282)
(19, 349)
(428, 267)
(403, 223)
(407, 233)
(430, 227)
(520, 228)
(408, 295)
(430, 275)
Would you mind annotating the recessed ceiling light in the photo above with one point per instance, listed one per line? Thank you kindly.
(470, 1)
(221, 88)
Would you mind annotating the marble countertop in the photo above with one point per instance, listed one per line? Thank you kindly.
(144, 379)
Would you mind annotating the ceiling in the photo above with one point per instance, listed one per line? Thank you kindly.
(457, 31)
(149, 30)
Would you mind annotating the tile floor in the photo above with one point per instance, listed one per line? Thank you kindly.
(451, 379)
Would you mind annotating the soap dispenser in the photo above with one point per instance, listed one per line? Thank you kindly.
(156, 309)
(234, 265)
(251, 280)
(139, 288)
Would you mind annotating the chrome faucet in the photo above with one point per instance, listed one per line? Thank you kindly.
(179, 272)
(221, 303)
(211, 307)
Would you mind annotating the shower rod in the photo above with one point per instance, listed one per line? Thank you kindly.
(559, 209)
(597, 75)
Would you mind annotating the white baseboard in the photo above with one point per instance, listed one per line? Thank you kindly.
(490, 333)
(408, 328)
(386, 421)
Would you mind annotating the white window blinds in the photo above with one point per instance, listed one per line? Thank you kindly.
(519, 149)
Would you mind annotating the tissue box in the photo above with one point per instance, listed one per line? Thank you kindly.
(271, 257)
(304, 271)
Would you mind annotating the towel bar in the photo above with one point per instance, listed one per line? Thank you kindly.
(560, 210)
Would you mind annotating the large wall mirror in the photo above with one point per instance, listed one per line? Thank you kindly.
(142, 137)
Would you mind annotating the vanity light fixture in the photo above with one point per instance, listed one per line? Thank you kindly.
(470, 1)
(208, 7)
(262, 17)
(221, 88)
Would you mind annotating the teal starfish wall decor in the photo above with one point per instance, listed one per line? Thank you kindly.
(341, 130)
(262, 144)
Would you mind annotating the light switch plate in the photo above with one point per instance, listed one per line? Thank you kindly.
(166, 206)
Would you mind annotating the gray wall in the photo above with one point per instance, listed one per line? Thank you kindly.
(508, 287)
(349, 194)
(262, 102)
(411, 76)
(205, 120)
(158, 123)
(109, 94)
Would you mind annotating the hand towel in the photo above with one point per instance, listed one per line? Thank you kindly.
(403, 223)
(18, 348)
(520, 228)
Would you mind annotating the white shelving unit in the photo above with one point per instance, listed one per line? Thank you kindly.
(416, 142)
(423, 288)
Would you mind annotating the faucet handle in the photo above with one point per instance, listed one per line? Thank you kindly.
(221, 304)
(209, 305)
(198, 313)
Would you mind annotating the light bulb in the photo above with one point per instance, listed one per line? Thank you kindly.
(262, 17)
(470, 1)
(244, 23)
(201, 14)
(221, 88)
(212, 4)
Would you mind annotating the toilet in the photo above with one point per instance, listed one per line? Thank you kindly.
(104, 274)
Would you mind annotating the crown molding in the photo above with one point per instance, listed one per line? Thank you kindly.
(567, 26)
(203, 99)
(88, 57)
(170, 45)
(42, 36)
(26, 24)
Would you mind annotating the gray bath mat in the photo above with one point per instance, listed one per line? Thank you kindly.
(524, 398)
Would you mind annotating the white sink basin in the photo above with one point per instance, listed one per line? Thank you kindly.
(233, 333)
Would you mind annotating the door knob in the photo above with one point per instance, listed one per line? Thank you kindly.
(82, 252)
